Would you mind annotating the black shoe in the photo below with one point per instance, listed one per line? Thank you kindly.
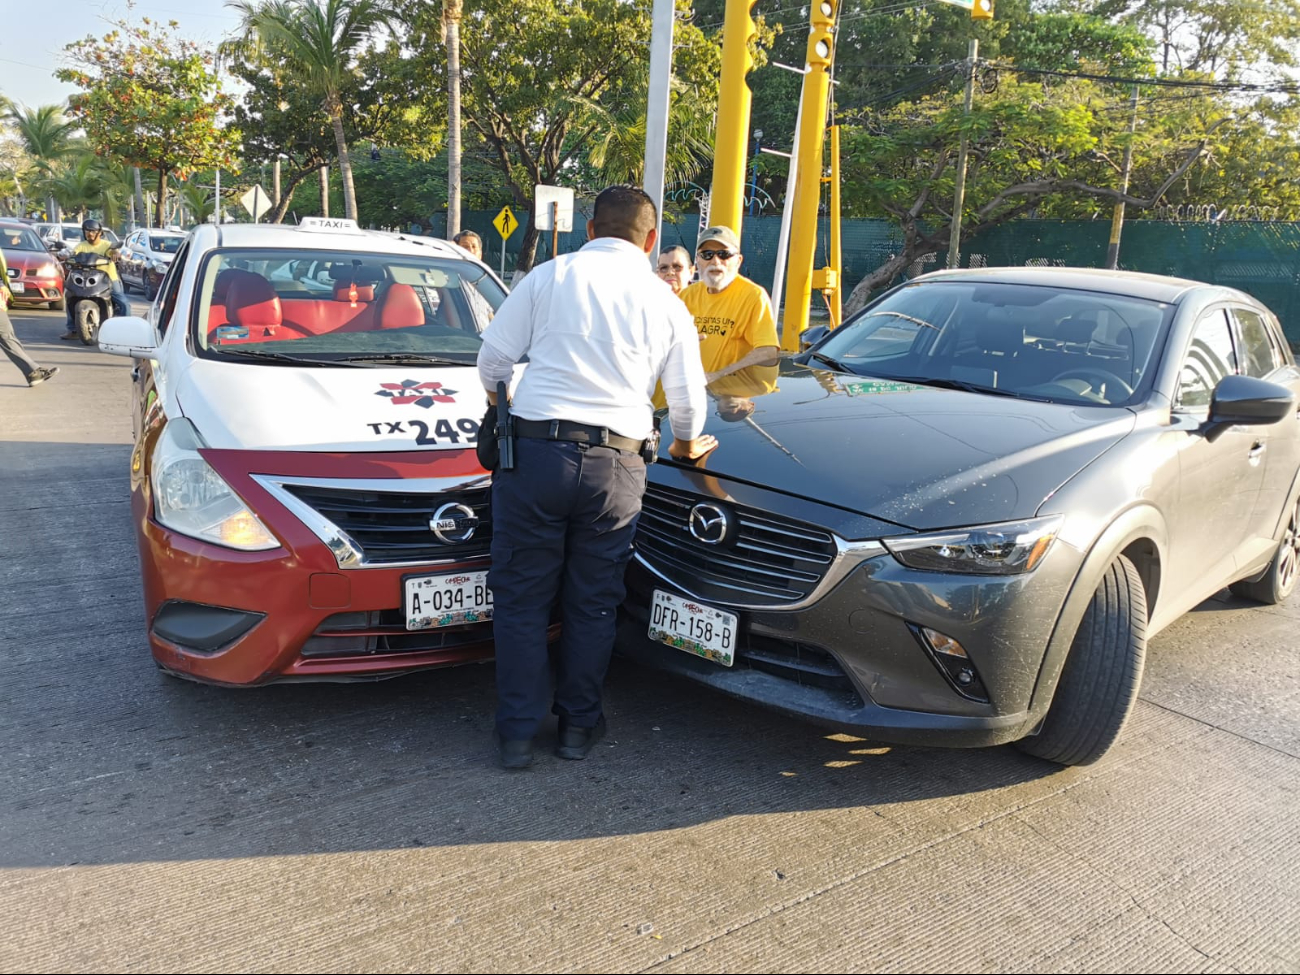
(40, 375)
(575, 742)
(513, 752)
(69, 337)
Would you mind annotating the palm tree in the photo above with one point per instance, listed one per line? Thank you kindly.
(316, 43)
(47, 137)
(77, 186)
(451, 15)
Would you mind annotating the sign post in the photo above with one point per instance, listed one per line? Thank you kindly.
(505, 223)
(553, 211)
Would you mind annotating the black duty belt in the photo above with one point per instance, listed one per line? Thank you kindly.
(575, 432)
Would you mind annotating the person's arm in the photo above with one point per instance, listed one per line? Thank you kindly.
(766, 355)
(683, 384)
(506, 339)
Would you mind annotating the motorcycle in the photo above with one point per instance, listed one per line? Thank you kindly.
(88, 290)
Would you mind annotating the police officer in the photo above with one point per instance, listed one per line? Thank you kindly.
(599, 331)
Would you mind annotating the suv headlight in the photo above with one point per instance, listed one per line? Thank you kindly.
(160, 267)
(1006, 549)
(191, 498)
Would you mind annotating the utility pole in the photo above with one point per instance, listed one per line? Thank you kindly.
(808, 188)
(959, 198)
(325, 190)
(727, 194)
(216, 213)
(139, 196)
(656, 112)
(275, 179)
(452, 11)
(1117, 221)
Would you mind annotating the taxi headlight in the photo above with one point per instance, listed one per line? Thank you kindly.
(191, 498)
(1004, 549)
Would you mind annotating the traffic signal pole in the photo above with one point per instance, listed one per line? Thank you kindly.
(807, 193)
(727, 195)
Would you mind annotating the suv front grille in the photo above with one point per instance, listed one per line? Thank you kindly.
(769, 560)
(393, 526)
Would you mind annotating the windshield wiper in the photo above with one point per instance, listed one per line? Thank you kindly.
(833, 363)
(402, 359)
(269, 356)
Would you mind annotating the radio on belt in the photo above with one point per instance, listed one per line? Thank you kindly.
(505, 429)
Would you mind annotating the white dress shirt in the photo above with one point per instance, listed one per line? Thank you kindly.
(600, 329)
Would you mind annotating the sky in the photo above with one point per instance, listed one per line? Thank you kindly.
(33, 35)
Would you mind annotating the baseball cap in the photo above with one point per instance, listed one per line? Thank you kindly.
(723, 235)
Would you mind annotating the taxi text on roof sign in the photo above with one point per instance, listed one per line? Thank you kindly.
(329, 225)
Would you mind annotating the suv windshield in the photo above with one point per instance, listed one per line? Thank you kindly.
(1038, 342)
(336, 306)
(165, 245)
(19, 239)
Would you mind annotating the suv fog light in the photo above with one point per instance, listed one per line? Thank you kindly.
(953, 662)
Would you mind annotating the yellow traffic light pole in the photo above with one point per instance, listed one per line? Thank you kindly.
(727, 195)
(807, 192)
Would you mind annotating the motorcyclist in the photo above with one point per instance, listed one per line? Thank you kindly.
(95, 243)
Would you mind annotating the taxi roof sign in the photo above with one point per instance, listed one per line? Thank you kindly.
(333, 225)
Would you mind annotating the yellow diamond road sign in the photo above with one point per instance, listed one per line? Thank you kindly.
(505, 223)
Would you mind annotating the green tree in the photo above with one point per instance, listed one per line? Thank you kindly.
(46, 135)
(1219, 37)
(1035, 149)
(544, 78)
(317, 45)
(150, 98)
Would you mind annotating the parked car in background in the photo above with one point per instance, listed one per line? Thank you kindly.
(307, 499)
(35, 277)
(145, 257)
(958, 518)
(71, 234)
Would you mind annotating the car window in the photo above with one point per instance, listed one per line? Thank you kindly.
(165, 245)
(1210, 357)
(1036, 341)
(1259, 353)
(168, 289)
(329, 305)
(20, 239)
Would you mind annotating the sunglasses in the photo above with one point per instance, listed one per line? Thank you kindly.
(709, 255)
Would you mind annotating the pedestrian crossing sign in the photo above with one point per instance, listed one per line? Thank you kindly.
(505, 222)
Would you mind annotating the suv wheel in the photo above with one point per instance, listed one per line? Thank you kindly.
(1099, 684)
(1279, 580)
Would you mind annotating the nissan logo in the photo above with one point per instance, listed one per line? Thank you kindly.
(709, 524)
(454, 523)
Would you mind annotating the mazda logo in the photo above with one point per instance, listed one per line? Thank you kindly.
(709, 524)
(454, 523)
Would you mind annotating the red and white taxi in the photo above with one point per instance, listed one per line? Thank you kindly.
(305, 490)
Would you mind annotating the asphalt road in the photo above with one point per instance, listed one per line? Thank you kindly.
(148, 824)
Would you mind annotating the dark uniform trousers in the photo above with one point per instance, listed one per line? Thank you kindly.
(562, 527)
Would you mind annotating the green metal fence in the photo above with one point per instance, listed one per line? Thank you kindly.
(1262, 259)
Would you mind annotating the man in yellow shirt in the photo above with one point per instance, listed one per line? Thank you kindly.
(732, 314)
(96, 243)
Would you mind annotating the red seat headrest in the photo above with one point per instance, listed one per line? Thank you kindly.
(343, 292)
(252, 301)
(402, 308)
(221, 287)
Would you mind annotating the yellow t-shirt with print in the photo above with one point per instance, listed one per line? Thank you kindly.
(102, 247)
(734, 322)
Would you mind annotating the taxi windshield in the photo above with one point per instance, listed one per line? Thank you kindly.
(341, 307)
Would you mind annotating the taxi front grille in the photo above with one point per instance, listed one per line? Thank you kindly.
(392, 527)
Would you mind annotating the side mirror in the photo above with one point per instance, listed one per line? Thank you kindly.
(811, 336)
(1246, 401)
(129, 336)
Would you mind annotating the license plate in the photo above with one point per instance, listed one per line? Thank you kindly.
(702, 630)
(447, 600)
(17, 287)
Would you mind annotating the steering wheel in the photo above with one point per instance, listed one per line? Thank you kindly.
(1092, 375)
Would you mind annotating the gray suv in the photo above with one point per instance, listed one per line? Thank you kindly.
(958, 518)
